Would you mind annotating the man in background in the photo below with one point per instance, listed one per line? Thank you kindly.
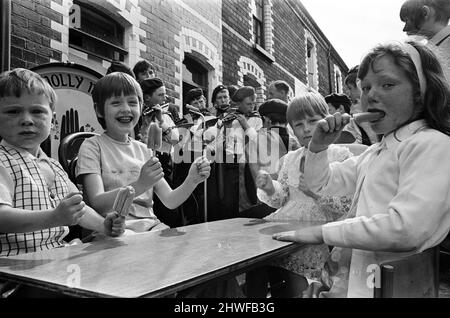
(430, 18)
(280, 90)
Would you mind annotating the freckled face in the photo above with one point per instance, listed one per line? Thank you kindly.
(387, 89)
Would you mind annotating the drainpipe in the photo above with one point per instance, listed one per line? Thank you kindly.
(5, 29)
(330, 86)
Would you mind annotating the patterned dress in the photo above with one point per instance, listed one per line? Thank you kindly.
(293, 204)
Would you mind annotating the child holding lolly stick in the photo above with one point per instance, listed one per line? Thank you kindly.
(37, 200)
(294, 201)
(114, 160)
(400, 185)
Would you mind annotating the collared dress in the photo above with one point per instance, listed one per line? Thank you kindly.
(293, 204)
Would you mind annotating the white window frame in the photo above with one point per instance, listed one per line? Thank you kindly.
(312, 73)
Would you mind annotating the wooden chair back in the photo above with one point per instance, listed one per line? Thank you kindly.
(68, 151)
(415, 276)
(68, 157)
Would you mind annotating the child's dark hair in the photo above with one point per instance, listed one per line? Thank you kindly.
(142, 66)
(114, 84)
(277, 118)
(339, 99)
(117, 66)
(19, 81)
(434, 106)
(309, 104)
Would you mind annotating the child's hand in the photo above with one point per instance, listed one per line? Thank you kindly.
(70, 209)
(199, 170)
(219, 124)
(114, 224)
(308, 235)
(158, 112)
(242, 121)
(151, 173)
(327, 131)
(264, 182)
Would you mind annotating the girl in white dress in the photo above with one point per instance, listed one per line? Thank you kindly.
(293, 199)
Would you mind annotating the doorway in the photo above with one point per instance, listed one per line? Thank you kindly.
(195, 75)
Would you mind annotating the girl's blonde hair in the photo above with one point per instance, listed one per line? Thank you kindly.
(22, 81)
(309, 104)
(114, 84)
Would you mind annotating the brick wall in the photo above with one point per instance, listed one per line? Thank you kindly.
(289, 40)
(160, 29)
(209, 9)
(31, 33)
(165, 20)
(289, 45)
(235, 14)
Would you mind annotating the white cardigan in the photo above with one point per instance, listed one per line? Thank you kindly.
(404, 203)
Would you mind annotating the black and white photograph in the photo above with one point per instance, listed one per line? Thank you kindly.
(224, 156)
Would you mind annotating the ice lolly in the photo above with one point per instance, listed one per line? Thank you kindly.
(123, 200)
(154, 137)
(302, 164)
(367, 117)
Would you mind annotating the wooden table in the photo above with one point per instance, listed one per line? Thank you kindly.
(152, 264)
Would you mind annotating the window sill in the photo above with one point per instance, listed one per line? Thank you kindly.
(87, 35)
(88, 52)
(263, 52)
